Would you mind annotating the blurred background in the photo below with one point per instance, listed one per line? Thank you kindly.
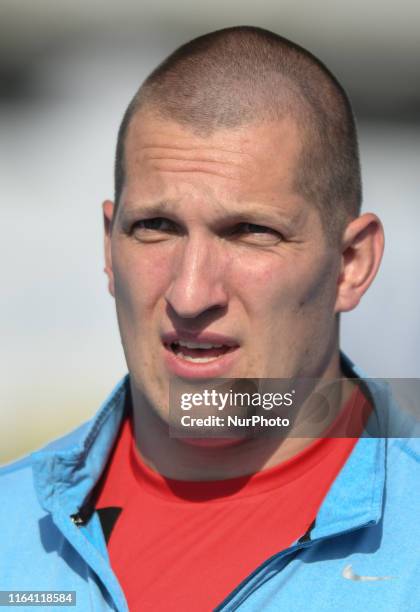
(67, 72)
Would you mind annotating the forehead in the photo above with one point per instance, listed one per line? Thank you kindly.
(253, 162)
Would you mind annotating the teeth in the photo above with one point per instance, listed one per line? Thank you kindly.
(199, 345)
(196, 359)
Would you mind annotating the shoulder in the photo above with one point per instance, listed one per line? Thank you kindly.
(402, 491)
(408, 447)
(404, 457)
(17, 487)
(14, 477)
(17, 478)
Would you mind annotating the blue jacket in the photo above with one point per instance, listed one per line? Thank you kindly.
(369, 520)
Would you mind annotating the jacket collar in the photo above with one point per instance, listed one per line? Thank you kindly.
(66, 471)
(356, 496)
(355, 499)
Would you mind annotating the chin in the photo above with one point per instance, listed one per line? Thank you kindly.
(213, 442)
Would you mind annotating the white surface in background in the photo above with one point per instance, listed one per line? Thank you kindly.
(356, 23)
(60, 348)
(383, 333)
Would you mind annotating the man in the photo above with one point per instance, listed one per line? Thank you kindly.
(234, 243)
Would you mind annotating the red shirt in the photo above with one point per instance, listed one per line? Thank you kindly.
(182, 545)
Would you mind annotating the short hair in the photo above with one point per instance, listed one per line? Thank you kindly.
(244, 74)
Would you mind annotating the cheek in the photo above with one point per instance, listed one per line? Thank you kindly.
(140, 282)
(319, 290)
(289, 288)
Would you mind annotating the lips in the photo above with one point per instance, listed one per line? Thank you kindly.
(194, 355)
(198, 352)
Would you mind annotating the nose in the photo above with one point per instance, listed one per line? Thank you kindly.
(198, 283)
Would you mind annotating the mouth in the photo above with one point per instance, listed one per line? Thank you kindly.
(198, 352)
(195, 355)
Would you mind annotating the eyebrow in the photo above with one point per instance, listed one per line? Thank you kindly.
(251, 211)
(149, 210)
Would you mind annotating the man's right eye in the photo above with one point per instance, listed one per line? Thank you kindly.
(159, 224)
(154, 229)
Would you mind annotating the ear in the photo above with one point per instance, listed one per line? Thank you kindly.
(108, 212)
(362, 248)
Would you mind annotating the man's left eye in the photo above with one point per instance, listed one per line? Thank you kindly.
(257, 233)
(253, 228)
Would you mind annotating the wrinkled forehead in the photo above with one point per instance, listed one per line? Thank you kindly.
(244, 173)
(261, 153)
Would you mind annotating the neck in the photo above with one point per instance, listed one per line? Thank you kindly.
(217, 459)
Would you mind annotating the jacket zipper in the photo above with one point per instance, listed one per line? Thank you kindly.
(225, 607)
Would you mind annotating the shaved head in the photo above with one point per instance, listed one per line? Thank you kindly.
(246, 75)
